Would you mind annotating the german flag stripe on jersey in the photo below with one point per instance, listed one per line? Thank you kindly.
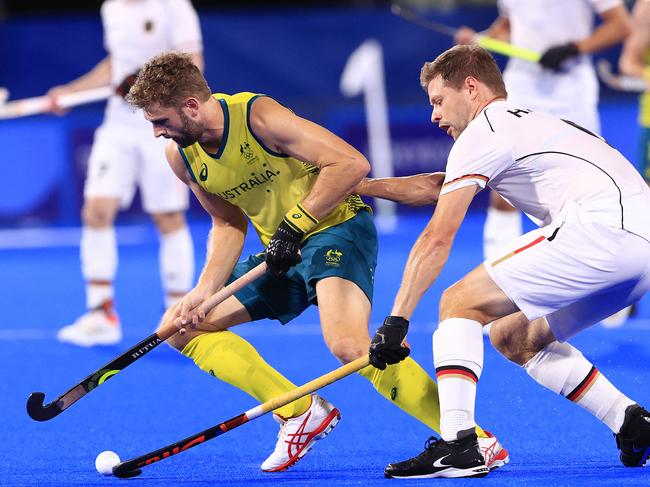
(467, 176)
(576, 394)
(456, 372)
(520, 249)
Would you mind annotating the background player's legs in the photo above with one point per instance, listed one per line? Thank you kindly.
(100, 324)
(165, 198)
(344, 314)
(176, 255)
(109, 186)
(502, 225)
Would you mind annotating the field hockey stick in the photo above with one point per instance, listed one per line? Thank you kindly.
(493, 45)
(39, 412)
(619, 82)
(42, 104)
(133, 467)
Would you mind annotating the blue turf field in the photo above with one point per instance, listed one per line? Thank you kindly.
(163, 397)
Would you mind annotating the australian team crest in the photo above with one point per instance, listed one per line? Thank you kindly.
(333, 257)
(247, 152)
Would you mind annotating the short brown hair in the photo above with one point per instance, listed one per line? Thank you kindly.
(459, 62)
(168, 79)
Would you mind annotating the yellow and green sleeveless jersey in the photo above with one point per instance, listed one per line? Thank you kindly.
(644, 102)
(263, 183)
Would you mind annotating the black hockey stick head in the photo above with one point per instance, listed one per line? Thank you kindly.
(121, 472)
(37, 411)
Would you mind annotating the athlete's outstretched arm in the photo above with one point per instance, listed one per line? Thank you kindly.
(631, 61)
(341, 166)
(431, 250)
(229, 226)
(616, 26)
(416, 190)
(499, 29)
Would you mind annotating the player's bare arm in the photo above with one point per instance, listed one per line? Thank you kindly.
(229, 226)
(500, 29)
(98, 76)
(631, 61)
(341, 166)
(416, 190)
(431, 250)
(616, 26)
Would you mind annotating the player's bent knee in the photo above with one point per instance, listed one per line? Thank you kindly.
(169, 222)
(97, 216)
(347, 349)
(451, 303)
(179, 342)
(503, 342)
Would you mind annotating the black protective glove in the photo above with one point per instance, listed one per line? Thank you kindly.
(556, 55)
(283, 250)
(387, 345)
(123, 88)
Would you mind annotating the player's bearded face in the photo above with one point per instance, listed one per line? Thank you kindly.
(451, 108)
(190, 131)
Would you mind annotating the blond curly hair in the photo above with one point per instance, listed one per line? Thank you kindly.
(168, 79)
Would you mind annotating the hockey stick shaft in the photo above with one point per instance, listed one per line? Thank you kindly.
(41, 104)
(132, 468)
(40, 412)
(493, 45)
(619, 81)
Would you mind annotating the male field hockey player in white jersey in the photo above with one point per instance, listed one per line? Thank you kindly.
(564, 83)
(125, 156)
(589, 258)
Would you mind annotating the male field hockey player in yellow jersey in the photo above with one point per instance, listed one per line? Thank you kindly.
(635, 61)
(247, 156)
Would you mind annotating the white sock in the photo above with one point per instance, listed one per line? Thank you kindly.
(563, 369)
(98, 264)
(176, 259)
(501, 227)
(458, 359)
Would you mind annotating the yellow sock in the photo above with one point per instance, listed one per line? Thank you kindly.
(232, 359)
(411, 389)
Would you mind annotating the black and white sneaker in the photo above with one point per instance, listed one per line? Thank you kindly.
(451, 459)
(634, 438)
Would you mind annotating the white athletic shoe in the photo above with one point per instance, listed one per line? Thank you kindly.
(493, 452)
(96, 327)
(297, 435)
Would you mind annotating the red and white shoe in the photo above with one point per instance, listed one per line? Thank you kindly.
(297, 435)
(493, 452)
(100, 326)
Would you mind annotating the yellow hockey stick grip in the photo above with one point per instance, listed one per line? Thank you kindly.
(501, 47)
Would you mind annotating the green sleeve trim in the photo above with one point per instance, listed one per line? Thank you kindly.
(187, 164)
(248, 124)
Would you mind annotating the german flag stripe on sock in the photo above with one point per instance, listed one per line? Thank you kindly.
(576, 394)
(456, 372)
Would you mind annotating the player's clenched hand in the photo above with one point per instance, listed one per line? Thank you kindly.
(465, 35)
(388, 345)
(189, 308)
(283, 250)
(125, 85)
(556, 55)
(53, 97)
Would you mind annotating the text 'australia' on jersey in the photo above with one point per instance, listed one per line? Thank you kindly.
(263, 183)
